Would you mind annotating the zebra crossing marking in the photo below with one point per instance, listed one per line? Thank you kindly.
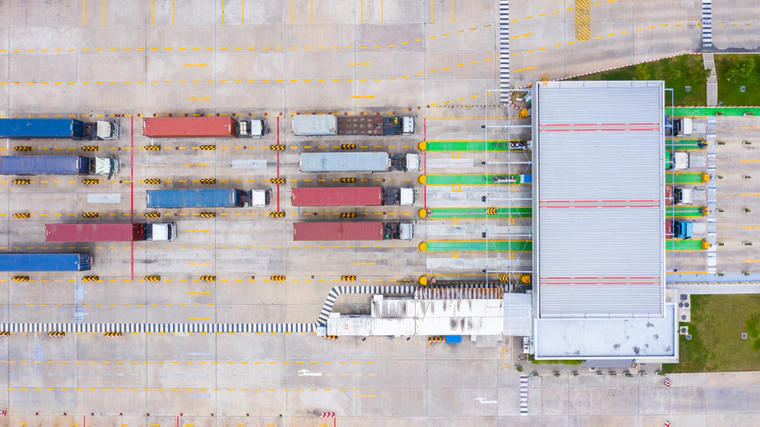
(504, 50)
(707, 24)
(523, 395)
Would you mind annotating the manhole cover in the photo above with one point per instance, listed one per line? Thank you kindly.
(744, 335)
(742, 89)
(688, 337)
(688, 88)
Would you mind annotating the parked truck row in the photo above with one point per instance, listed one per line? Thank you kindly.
(330, 125)
(358, 162)
(110, 232)
(22, 262)
(204, 127)
(358, 230)
(58, 165)
(352, 196)
(58, 128)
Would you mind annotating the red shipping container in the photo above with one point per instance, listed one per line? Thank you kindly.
(93, 232)
(190, 127)
(338, 196)
(326, 231)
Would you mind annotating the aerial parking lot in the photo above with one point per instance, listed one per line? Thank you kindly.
(308, 212)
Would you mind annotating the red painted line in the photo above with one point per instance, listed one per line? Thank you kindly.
(424, 160)
(84, 420)
(599, 284)
(132, 189)
(278, 163)
(599, 207)
(600, 124)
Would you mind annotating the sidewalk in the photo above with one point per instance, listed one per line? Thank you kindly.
(712, 81)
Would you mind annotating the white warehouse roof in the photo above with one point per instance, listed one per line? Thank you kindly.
(598, 199)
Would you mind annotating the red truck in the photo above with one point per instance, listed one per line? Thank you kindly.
(203, 127)
(109, 232)
(352, 196)
(328, 231)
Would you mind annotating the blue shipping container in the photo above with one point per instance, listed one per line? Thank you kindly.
(44, 165)
(42, 128)
(15, 262)
(175, 199)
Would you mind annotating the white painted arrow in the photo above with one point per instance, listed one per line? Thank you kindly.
(483, 400)
(307, 373)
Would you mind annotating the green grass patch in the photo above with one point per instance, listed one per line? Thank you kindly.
(663, 70)
(717, 322)
(730, 83)
(554, 362)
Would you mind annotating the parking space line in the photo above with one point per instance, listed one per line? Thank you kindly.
(103, 13)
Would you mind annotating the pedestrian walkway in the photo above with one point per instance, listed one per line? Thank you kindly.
(470, 179)
(712, 111)
(712, 81)
(479, 213)
(476, 246)
(502, 145)
(504, 50)
(685, 211)
(707, 24)
(161, 328)
(686, 177)
(523, 395)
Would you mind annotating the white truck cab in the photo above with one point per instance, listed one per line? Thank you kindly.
(260, 198)
(412, 162)
(406, 197)
(406, 231)
(161, 232)
(106, 166)
(407, 125)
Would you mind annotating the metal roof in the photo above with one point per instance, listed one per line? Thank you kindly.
(598, 194)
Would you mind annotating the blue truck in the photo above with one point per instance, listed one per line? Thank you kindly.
(58, 165)
(58, 129)
(679, 229)
(19, 262)
(214, 198)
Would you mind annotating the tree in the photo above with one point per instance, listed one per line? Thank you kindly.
(642, 72)
(742, 68)
(700, 75)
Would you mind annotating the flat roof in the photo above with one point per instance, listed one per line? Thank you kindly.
(608, 338)
(598, 195)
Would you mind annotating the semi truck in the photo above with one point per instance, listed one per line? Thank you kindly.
(676, 160)
(679, 229)
(352, 196)
(58, 129)
(58, 165)
(329, 125)
(327, 231)
(686, 196)
(110, 232)
(668, 195)
(686, 126)
(358, 162)
(214, 198)
(204, 127)
(21, 262)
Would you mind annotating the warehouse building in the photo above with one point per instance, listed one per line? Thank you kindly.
(599, 219)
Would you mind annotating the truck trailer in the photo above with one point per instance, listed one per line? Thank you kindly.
(110, 232)
(352, 196)
(328, 231)
(58, 165)
(204, 127)
(214, 198)
(20, 262)
(58, 129)
(358, 162)
(329, 125)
